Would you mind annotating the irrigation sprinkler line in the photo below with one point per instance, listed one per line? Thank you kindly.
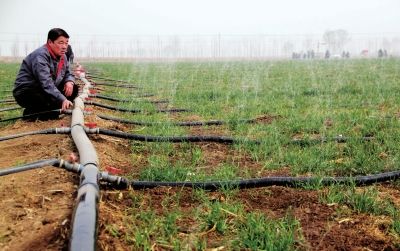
(143, 95)
(119, 85)
(126, 100)
(62, 130)
(33, 115)
(85, 215)
(185, 123)
(91, 76)
(7, 101)
(174, 139)
(73, 167)
(120, 109)
(10, 108)
(123, 183)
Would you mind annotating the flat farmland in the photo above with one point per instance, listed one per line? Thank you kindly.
(290, 119)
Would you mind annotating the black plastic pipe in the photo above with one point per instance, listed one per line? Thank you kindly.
(138, 95)
(62, 130)
(120, 109)
(36, 114)
(338, 139)
(175, 139)
(39, 164)
(7, 101)
(127, 100)
(10, 108)
(187, 123)
(118, 85)
(90, 76)
(123, 183)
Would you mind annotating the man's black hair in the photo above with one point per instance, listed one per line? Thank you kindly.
(56, 33)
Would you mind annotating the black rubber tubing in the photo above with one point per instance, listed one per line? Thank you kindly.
(174, 139)
(119, 134)
(35, 114)
(123, 183)
(10, 108)
(62, 130)
(39, 164)
(138, 95)
(127, 100)
(120, 109)
(187, 123)
(7, 101)
(90, 76)
(117, 85)
(304, 142)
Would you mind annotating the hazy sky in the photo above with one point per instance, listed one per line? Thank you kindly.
(203, 17)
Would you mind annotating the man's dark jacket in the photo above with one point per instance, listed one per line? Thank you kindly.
(38, 72)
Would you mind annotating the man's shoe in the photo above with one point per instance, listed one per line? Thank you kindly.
(29, 115)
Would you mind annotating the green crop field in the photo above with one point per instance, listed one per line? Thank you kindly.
(304, 101)
(313, 118)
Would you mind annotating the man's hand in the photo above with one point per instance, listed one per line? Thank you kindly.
(66, 104)
(68, 88)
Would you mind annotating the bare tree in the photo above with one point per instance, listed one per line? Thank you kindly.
(288, 47)
(26, 48)
(336, 39)
(15, 48)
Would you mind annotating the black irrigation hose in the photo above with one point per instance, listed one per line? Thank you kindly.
(127, 100)
(40, 164)
(175, 139)
(90, 76)
(32, 115)
(117, 85)
(7, 101)
(10, 108)
(123, 183)
(301, 142)
(338, 139)
(62, 130)
(120, 109)
(188, 123)
(143, 95)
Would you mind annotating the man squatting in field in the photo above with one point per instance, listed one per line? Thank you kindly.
(44, 81)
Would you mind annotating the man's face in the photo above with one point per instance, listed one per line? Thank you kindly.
(59, 46)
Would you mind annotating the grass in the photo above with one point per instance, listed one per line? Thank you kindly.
(310, 99)
(306, 100)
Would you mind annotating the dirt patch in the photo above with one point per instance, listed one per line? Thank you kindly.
(36, 206)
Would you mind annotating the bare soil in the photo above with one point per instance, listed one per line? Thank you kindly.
(36, 206)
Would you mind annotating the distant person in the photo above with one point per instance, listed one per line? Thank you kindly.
(70, 55)
(327, 54)
(44, 81)
(380, 53)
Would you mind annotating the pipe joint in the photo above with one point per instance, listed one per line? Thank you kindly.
(92, 130)
(63, 130)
